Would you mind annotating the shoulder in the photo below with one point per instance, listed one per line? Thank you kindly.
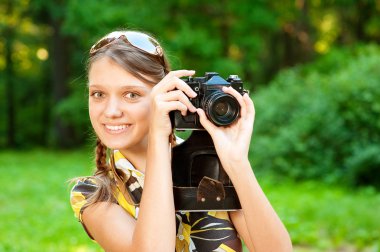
(80, 193)
(105, 222)
(85, 185)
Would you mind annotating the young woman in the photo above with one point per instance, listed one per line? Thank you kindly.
(127, 205)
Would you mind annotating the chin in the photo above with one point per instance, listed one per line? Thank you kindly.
(122, 141)
(117, 146)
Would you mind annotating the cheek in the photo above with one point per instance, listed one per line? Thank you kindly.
(93, 112)
(142, 113)
(145, 114)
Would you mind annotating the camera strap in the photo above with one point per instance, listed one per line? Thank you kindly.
(210, 195)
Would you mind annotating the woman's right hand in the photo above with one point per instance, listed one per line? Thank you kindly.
(170, 94)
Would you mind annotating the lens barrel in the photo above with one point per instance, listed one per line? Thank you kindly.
(221, 108)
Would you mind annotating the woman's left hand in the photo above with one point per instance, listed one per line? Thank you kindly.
(232, 142)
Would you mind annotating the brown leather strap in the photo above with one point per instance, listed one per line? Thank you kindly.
(186, 199)
(210, 189)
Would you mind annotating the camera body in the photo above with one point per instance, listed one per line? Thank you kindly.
(222, 109)
(200, 182)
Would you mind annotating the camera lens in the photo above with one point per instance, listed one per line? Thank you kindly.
(221, 108)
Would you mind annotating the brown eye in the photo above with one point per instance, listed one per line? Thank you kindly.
(132, 96)
(97, 94)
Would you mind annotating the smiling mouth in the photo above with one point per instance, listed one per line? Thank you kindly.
(116, 128)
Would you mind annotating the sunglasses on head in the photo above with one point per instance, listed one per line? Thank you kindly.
(138, 40)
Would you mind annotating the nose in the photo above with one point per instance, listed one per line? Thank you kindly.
(113, 108)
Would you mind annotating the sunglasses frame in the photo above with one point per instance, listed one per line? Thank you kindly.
(123, 35)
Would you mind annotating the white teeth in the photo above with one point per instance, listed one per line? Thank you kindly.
(115, 128)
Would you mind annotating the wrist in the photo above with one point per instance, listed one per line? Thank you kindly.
(235, 168)
(158, 135)
(232, 163)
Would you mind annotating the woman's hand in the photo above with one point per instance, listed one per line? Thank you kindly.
(232, 142)
(257, 222)
(170, 94)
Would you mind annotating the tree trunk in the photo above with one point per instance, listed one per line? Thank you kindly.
(9, 83)
(60, 72)
(364, 13)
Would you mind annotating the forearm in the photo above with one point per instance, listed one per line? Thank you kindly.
(157, 204)
(266, 231)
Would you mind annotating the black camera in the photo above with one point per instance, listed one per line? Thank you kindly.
(222, 109)
(200, 182)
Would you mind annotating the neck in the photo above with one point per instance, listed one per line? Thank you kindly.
(136, 157)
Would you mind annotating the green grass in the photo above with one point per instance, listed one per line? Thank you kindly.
(36, 216)
(328, 218)
(35, 212)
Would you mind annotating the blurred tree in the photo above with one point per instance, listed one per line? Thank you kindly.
(322, 120)
(52, 14)
(254, 39)
(8, 32)
(19, 69)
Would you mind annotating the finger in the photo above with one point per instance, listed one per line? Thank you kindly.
(209, 126)
(166, 107)
(182, 73)
(170, 83)
(230, 90)
(180, 96)
(249, 104)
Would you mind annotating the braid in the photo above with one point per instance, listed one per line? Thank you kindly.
(101, 158)
(104, 181)
(106, 175)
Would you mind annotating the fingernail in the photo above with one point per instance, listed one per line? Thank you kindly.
(193, 94)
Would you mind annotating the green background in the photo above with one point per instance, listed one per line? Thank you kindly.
(312, 68)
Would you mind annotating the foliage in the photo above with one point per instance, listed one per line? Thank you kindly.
(322, 120)
(37, 215)
(20, 77)
(74, 111)
(44, 46)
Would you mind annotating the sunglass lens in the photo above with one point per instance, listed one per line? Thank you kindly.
(142, 41)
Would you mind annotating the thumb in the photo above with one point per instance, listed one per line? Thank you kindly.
(209, 126)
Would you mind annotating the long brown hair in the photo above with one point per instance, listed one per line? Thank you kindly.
(146, 67)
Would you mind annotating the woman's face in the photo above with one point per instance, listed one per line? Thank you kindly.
(118, 106)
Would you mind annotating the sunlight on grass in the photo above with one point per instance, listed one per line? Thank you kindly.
(36, 215)
(328, 218)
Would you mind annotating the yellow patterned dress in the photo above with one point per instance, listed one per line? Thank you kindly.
(196, 231)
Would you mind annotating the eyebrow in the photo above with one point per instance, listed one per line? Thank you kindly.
(124, 87)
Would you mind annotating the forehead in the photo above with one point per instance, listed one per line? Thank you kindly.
(106, 72)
